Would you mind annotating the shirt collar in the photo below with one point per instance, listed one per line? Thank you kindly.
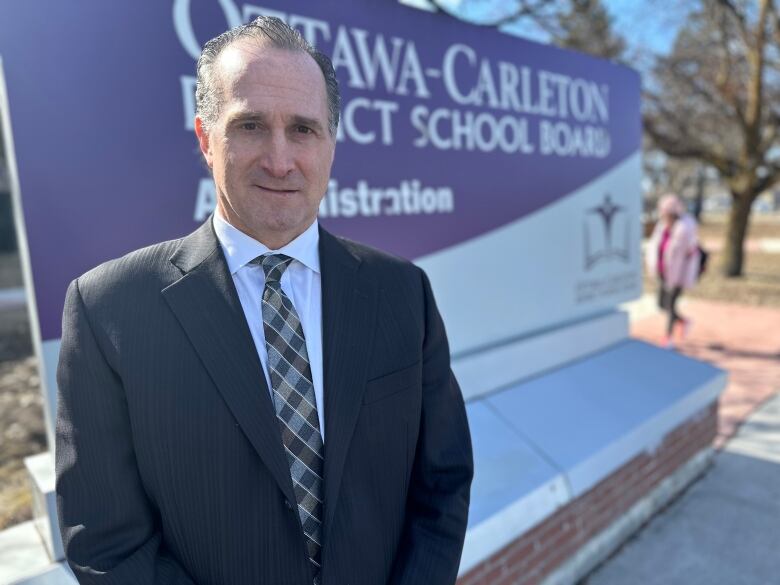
(240, 249)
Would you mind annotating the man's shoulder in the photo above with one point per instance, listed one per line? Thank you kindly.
(399, 282)
(374, 259)
(145, 267)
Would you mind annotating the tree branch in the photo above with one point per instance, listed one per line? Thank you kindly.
(738, 16)
(727, 72)
(771, 178)
(524, 9)
(686, 147)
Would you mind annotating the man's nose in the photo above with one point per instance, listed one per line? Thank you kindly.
(277, 159)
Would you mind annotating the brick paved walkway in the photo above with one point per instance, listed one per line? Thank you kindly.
(745, 341)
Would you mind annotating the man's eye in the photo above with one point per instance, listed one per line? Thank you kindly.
(301, 129)
(249, 126)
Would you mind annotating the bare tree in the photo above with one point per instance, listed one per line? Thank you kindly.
(499, 13)
(585, 25)
(662, 174)
(714, 99)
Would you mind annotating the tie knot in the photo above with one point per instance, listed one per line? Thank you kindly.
(274, 266)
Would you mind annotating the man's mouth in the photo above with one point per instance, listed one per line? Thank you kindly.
(277, 190)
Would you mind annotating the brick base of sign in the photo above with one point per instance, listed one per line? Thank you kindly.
(538, 553)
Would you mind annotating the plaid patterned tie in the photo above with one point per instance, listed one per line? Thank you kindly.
(296, 406)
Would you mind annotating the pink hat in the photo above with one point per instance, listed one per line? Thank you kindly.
(670, 204)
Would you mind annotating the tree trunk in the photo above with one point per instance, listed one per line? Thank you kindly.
(698, 202)
(735, 237)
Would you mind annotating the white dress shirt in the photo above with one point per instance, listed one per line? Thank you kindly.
(301, 282)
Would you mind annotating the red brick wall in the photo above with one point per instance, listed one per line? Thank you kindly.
(535, 554)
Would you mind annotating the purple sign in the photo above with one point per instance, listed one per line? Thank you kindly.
(448, 131)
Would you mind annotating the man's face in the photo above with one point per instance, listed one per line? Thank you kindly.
(270, 150)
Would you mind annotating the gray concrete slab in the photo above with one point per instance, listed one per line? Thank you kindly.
(592, 416)
(725, 530)
(21, 553)
(506, 466)
(56, 574)
(24, 561)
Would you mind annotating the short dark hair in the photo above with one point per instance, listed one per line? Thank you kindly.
(208, 93)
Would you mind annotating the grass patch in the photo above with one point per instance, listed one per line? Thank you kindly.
(760, 226)
(759, 286)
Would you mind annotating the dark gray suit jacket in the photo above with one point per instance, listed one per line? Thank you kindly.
(170, 465)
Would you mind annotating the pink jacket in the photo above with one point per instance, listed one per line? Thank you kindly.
(681, 257)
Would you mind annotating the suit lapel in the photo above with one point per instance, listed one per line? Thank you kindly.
(206, 304)
(348, 316)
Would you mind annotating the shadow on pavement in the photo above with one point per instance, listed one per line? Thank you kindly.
(725, 530)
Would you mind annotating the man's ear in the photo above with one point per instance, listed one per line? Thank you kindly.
(203, 140)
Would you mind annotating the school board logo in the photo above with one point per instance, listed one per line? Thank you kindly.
(607, 234)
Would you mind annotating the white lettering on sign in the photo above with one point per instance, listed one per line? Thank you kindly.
(182, 23)
(454, 129)
(408, 198)
(349, 128)
(496, 106)
(562, 139)
(511, 88)
(450, 81)
(396, 65)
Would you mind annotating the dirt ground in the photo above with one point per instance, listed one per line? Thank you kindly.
(23, 434)
(22, 430)
(759, 286)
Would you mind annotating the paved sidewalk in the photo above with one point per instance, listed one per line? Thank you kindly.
(725, 530)
(745, 341)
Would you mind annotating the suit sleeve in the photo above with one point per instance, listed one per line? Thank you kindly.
(438, 501)
(108, 525)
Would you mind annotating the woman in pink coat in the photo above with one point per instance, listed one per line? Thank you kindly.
(673, 256)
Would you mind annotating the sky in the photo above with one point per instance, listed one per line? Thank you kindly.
(645, 24)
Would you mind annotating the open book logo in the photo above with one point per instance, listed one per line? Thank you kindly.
(607, 234)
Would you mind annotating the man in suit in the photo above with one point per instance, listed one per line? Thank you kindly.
(260, 402)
